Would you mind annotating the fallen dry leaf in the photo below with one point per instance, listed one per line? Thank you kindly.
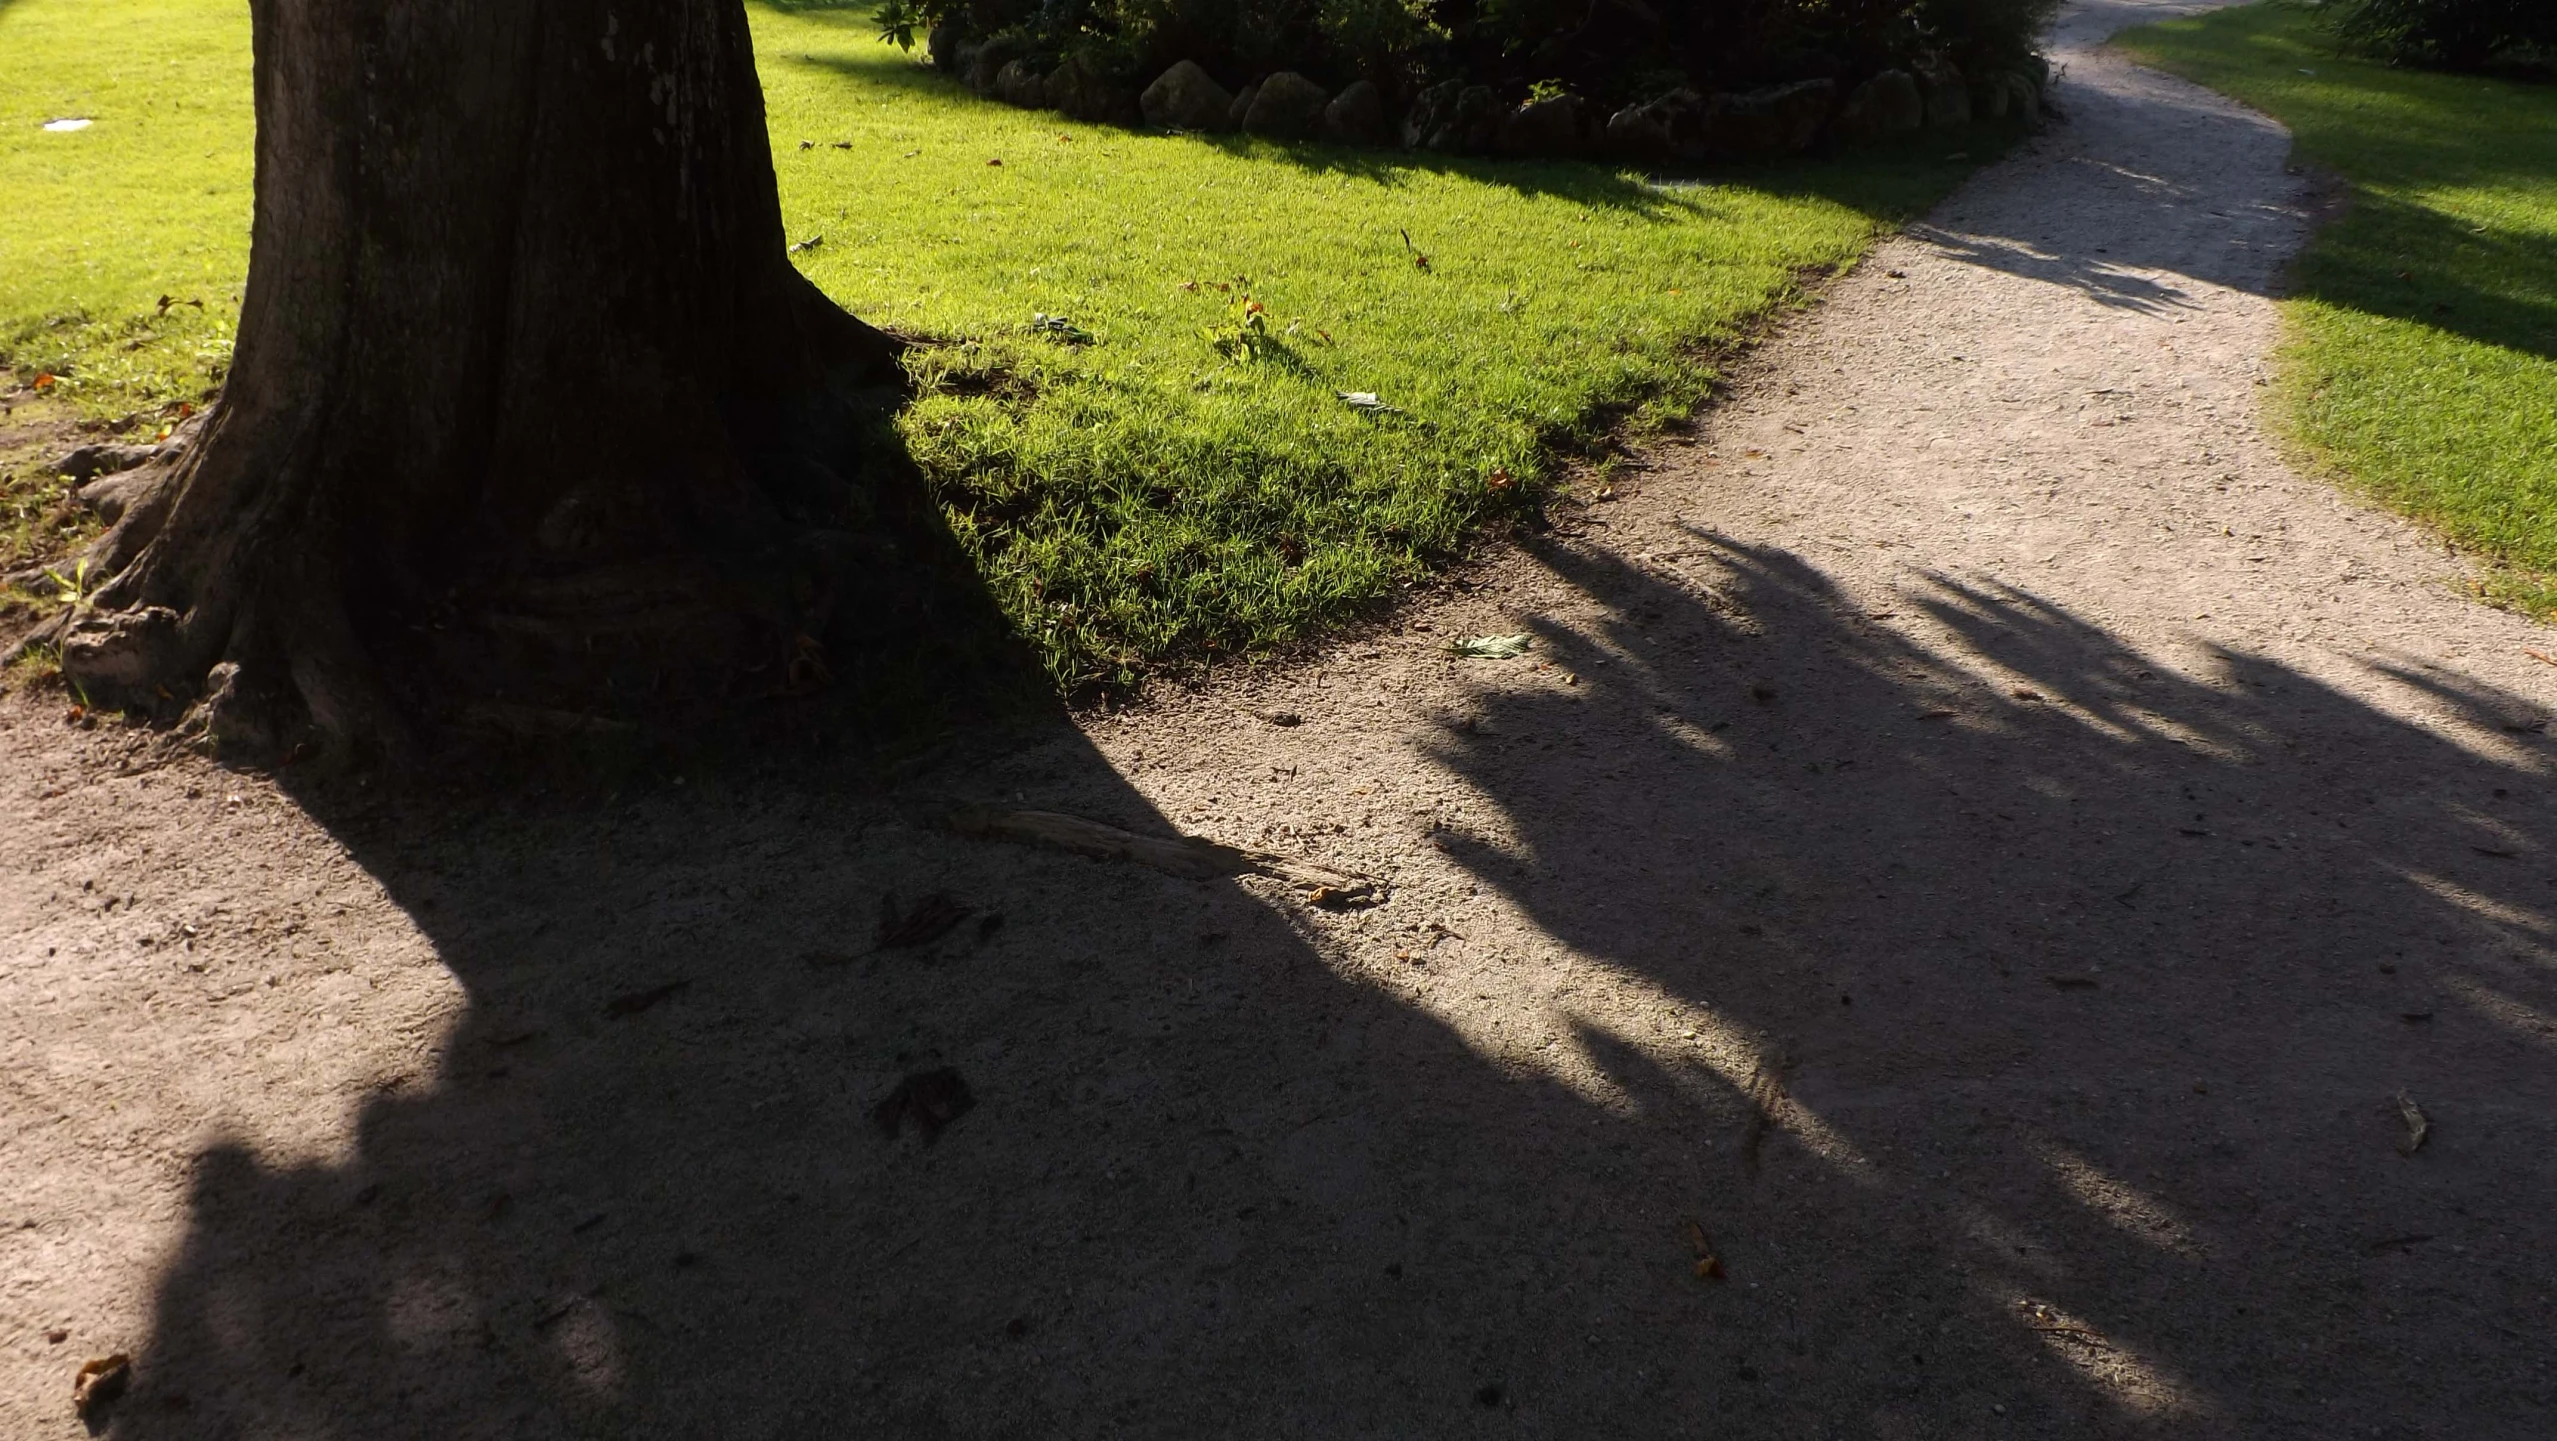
(932, 1098)
(634, 1002)
(933, 917)
(100, 1381)
(2417, 1128)
(1708, 1265)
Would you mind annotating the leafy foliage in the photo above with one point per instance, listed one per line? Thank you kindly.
(1612, 50)
(2447, 34)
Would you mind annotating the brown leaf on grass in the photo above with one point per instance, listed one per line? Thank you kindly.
(1708, 1265)
(932, 1098)
(933, 917)
(99, 1382)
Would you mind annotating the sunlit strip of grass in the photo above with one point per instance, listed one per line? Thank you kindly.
(1148, 495)
(151, 199)
(1168, 473)
(2420, 360)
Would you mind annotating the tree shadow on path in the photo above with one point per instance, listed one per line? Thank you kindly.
(2029, 1060)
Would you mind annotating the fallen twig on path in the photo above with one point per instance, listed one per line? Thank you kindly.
(1174, 855)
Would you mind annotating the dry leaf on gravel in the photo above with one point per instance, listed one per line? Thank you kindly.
(1708, 1264)
(633, 1002)
(933, 917)
(1492, 647)
(2417, 1128)
(100, 1381)
(933, 1099)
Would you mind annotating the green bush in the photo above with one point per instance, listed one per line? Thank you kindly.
(2447, 34)
(1613, 51)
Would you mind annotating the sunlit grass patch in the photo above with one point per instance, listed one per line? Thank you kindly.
(1165, 467)
(2421, 356)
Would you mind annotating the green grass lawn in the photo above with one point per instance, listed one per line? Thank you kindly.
(1161, 492)
(2421, 355)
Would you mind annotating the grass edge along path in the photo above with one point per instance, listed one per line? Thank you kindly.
(2418, 363)
(1133, 407)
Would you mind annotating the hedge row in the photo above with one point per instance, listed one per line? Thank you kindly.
(1615, 53)
(1457, 118)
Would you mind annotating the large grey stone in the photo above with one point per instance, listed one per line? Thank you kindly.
(2030, 98)
(1556, 128)
(1669, 127)
(1018, 84)
(1356, 116)
(1764, 124)
(1242, 105)
(1186, 97)
(1885, 106)
(986, 62)
(1431, 112)
(1991, 100)
(1479, 113)
(1286, 107)
(1948, 98)
(1085, 94)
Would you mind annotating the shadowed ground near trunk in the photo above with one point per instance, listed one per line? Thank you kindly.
(2075, 1034)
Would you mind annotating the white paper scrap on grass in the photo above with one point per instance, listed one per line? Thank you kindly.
(80, 122)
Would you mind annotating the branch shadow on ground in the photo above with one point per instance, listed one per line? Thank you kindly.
(2019, 1015)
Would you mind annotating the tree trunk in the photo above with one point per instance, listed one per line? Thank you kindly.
(529, 407)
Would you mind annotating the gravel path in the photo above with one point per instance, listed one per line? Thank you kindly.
(1980, 845)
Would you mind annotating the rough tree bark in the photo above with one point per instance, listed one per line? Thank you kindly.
(528, 402)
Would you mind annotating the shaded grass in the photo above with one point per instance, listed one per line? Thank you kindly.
(2420, 361)
(1170, 488)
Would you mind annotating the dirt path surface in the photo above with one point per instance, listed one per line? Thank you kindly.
(1980, 845)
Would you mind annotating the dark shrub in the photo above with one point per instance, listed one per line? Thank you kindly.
(1613, 52)
(2449, 34)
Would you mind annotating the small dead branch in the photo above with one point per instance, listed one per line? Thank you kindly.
(1187, 856)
